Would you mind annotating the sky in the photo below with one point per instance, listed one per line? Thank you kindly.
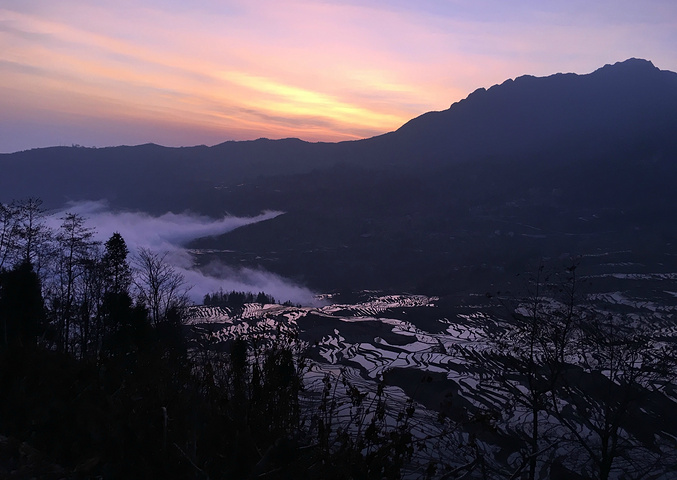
(180, 73)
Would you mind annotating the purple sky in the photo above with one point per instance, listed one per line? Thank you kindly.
(170, 72)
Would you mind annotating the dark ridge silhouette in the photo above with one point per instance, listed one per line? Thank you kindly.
(561, 165)
(617, 107)
(627, 102)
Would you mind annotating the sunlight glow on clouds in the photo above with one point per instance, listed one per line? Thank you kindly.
(181, 74)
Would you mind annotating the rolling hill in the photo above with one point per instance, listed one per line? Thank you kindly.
(561, 166)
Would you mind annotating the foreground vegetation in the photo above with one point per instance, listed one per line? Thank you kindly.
(99, 378)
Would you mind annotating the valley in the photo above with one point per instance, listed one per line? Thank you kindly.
(443, 354)
(490, 291)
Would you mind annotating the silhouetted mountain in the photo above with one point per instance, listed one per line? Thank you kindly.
(555, 166)
(625, 104)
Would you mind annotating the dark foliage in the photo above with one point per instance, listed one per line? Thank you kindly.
(149, 405)
(143, 408)
(22, 312)
(236, 300)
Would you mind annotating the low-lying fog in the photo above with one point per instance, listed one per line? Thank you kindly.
(170, 233)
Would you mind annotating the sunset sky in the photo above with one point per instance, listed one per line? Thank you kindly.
(185, 73)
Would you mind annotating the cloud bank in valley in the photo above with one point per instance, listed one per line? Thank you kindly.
(170, 233)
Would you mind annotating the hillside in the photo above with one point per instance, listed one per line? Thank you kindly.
(558, 166)
(497, 284)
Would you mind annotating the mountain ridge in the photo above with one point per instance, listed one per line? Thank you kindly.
(628, 68)
(586, 103)
(534, 167)
(628, 103)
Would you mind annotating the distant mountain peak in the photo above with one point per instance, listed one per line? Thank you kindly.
(617, 104)
(632, 67)
(631, 63)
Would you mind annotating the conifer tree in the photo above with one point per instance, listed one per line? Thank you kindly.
(22, 312)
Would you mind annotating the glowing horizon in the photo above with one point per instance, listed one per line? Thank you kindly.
(73, 72)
